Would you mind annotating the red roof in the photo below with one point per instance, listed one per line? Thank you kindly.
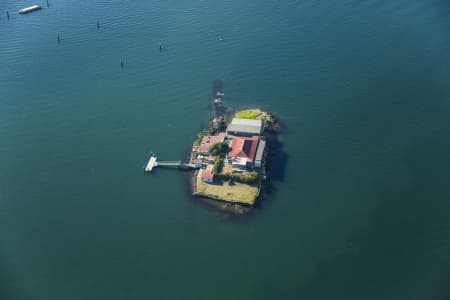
(244, 147)
(207, 173)
(209, 140)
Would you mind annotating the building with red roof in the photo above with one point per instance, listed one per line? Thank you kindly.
(243, 151)
(209, 140)
(207, 174)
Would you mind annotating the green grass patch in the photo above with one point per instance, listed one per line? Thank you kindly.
(247, 114)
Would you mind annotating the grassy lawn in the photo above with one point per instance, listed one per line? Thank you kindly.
(238, 192)
(248, 114)
(227, 168)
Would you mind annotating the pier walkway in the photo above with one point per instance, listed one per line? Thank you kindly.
(153, 163)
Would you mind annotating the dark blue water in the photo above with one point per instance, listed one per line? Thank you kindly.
(360, 200)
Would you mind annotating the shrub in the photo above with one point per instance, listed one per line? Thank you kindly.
(251, 178)
(218, 164)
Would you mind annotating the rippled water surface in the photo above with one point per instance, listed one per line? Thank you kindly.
(360, 205)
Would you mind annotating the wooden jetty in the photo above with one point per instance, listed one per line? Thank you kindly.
(153, 163)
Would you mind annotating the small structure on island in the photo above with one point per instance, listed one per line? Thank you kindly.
(207, 174)
(198, 163)
(259, 157)
(244, 127)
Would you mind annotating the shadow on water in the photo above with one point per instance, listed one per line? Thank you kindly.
(276, 162)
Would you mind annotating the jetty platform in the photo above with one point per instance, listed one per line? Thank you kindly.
(151, 164)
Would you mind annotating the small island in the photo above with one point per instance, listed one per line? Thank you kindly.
(231, 156)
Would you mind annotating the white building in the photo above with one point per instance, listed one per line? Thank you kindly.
(260, 153)
(244, 127)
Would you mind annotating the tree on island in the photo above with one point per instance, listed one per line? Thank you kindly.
(218, 165)
(219, 149)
